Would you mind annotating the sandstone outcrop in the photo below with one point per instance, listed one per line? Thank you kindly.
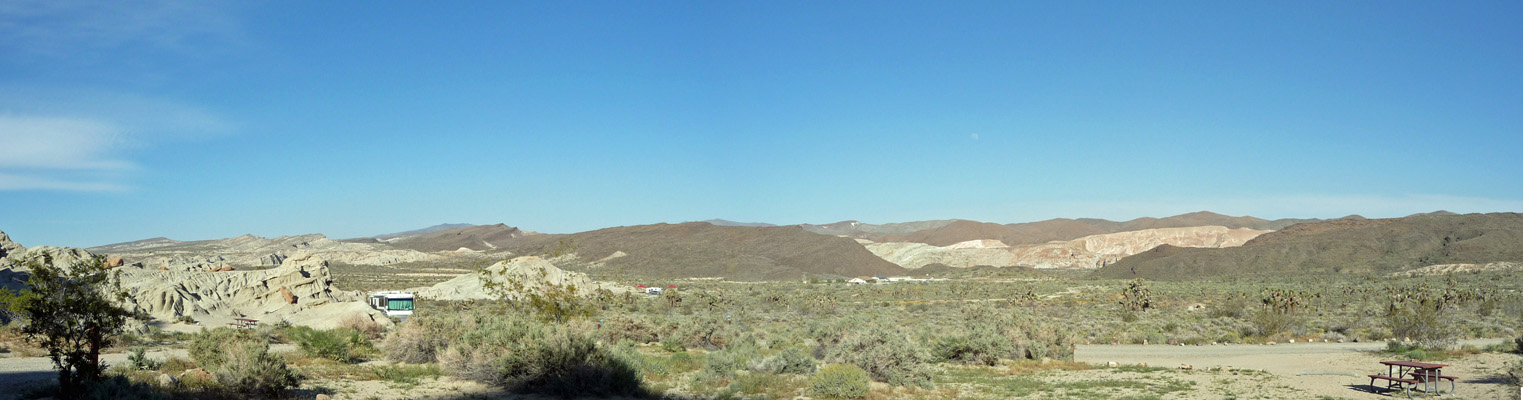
(254, 251)
(299, 286)
(1087, 252)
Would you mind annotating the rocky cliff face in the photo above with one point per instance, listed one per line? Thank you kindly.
(9, 249)
(1087, 252)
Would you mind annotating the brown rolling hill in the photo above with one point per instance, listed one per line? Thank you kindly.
(699, 249)
(1069, 229)
(1348, 245)
(478, 237)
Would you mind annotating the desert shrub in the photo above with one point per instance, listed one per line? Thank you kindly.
(886, 356)
(206, 348)
(726, 362)
(1280, 312)
(792, 360)
(983, 346)
(338, 344)
(422, 338)
(617, 327)
(241, 362)
(176, 364)
(248, 367)
(843, 381)
(1423, 315)
(137, 358)
(527, 356)
(682, 362)
(672, 344)
(361, 322)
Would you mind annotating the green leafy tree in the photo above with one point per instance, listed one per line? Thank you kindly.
(74, 312)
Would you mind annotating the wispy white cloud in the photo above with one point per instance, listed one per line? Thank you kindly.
(84, 141)
(46, 182)
(79, 28)
(59, 143)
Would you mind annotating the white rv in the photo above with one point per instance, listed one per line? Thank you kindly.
(393, 303)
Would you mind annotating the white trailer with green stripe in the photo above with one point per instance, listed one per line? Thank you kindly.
(393, 303)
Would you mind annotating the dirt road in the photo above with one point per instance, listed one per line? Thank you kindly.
(18, 373)
(1322, 369)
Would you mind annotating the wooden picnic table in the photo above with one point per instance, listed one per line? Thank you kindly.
(243, 323)
(1426, 374)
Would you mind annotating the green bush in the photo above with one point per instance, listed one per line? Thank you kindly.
(886, 356)
(422, 338)
(207, 347)
(528, 356)
(792, 360)
(682, 362)
(137, 358)
(843, 381)
(338, 344)
(726, 362)
(983, 346)
(241, 362)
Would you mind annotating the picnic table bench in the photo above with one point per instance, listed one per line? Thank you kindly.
(243, 323)
(1427, 375)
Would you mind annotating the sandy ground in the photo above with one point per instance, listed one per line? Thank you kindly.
(1334, 370)
(1291, 371)
(19, 373)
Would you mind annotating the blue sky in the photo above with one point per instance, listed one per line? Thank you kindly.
(197, 120)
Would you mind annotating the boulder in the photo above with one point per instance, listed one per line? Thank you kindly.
(114, 262)
(287, 294)
(165, 380)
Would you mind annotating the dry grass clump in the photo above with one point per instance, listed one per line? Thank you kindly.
(362, 323)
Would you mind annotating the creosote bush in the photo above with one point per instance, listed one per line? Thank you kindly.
(241, 362)
(423, 337)
(338, 344)
(529, 356)
(886, 355)
(840, 381)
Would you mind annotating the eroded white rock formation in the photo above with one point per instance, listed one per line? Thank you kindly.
(1088, 252)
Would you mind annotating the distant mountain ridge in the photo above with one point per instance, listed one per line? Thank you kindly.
(474, 237)
(434, 228)
(1345, 245)
(699, 249)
